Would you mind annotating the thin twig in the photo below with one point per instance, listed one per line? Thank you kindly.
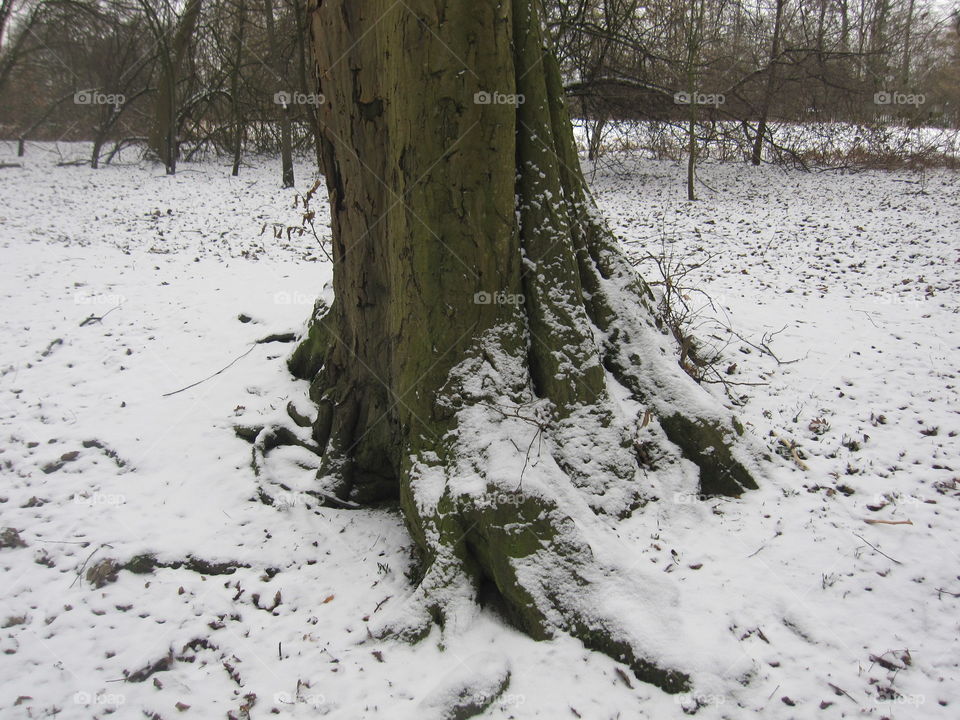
(95, 318)
(80, 571)
(193, 385)
(879, 550)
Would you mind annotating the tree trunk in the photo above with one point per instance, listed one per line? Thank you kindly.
(878, 62)
(163, 135)
(694, 43)
(771, 85)
(844, 26)
(907, 39)
(482, 313)
(307, 80)
(286, 144)
(239, 127)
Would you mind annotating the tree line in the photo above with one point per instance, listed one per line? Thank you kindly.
(185, 78)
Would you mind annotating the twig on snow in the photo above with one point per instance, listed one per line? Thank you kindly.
(94, 318)
(878, 550)
(193, 385)
(95, 551)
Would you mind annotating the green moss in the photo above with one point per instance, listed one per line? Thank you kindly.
(708, 445)
(300, 419)
(603, 640)
(141, 564)
(308, 357)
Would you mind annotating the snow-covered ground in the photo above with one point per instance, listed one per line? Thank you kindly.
(837, 616)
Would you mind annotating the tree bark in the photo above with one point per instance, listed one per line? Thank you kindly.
(482, 313)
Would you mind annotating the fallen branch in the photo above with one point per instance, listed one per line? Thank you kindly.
(870, 521)
(94, 318)
(193, 385)
(879, 550)
(793, 452)
(840, 691)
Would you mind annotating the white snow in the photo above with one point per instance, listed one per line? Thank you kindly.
(779, 597)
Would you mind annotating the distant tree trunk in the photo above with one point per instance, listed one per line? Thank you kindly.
(907, 38)
(12, 45)
(238, 122)
(594, 128)
(694, 39)
(6, 10)
(307, 79)
(286, 143)
(98, 141)
(480, 304)
(821, 32)
(878, 62)
(844, 25)
(163, 136)
(767, 99)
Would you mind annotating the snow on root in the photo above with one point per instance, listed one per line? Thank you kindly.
(467, 690)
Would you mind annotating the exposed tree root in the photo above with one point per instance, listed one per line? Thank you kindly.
(484, 512)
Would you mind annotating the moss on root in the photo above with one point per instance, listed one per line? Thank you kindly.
(708, 445)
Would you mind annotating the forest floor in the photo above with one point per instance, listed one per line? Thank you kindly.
(123, 285)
